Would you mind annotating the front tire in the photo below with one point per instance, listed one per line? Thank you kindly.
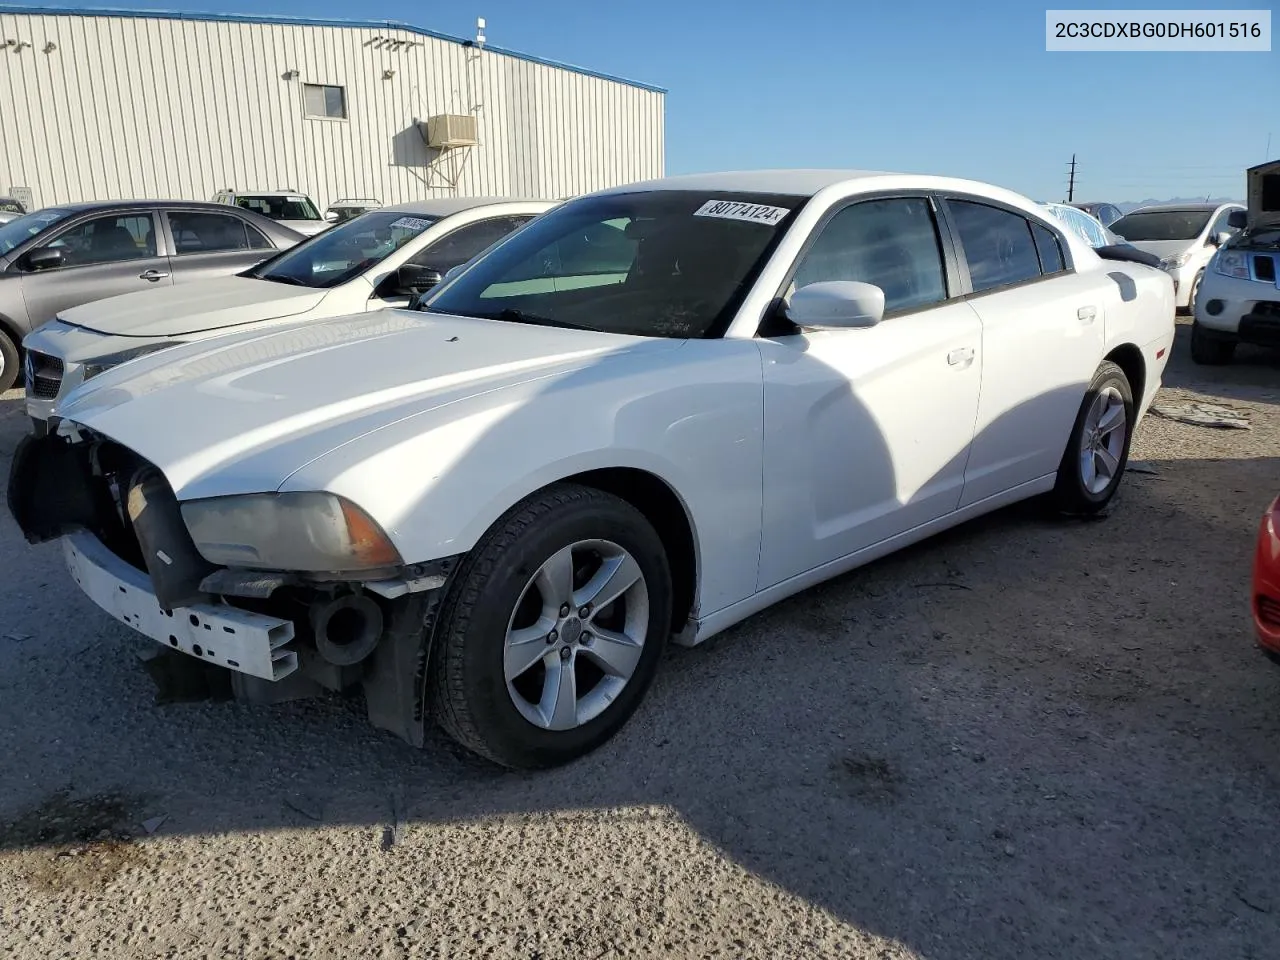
(1193, 292)
(1208, 350)
(1093, 464)
(553, 631)
(10, 363)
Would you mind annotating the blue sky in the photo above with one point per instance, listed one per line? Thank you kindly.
(934, 87)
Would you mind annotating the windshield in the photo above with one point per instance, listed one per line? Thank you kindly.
(280, 207)
(1162, 225)
(344, 251)
(17, 232)
(662, 263)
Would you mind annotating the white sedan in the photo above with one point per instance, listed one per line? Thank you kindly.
(650, 413)
(379, 260)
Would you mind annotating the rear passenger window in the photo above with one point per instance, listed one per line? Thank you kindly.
(997, 245)
(208, 232)
(1049, 248)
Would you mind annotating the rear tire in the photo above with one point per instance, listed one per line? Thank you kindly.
(1098, 450)
(10, 362)
(499, 693)
(1209, 350)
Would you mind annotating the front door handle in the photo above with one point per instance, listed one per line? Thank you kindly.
(1087, 314)
(152, 275)
(960, 355)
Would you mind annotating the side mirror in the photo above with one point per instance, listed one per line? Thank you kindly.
(452, 272)
(45, 258)
(1238, 219)
(1219, 238)
(410, 279)
(331, 216)
(836, 305)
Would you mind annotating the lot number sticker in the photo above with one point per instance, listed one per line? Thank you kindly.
(411, 223)
(736, 210)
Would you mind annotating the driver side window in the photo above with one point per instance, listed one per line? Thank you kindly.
(1220, 224)
(891, 243)
(108, 239)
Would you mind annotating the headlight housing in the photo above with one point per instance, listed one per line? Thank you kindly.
(1173, 263)
(102, 364)
(309, 532)
(1231, 263)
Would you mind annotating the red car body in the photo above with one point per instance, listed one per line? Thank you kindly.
(1266, 581)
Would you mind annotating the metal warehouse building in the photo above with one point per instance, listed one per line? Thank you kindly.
(121, 104)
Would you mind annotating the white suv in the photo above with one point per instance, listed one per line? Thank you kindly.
(376, 261)
(295, 210)
(1239, 299)
(1185, 236)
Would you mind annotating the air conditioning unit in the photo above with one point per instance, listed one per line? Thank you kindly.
(451, 130)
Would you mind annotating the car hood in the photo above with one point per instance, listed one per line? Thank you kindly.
(241, 413)
(307, 228)
(189, 308)
(1164, 248)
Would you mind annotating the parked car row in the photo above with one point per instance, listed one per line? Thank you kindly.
(60, 257)
(377, 261)
(643, 414)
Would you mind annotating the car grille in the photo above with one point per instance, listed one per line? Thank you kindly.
(1267, 308)
(1268, 611)
(1264, 268)
(44, 375)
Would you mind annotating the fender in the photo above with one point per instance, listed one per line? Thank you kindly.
(436, 483)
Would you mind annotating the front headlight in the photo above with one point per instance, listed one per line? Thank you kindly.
(305, 532)
(1173, 263)
(1231, 263)
(102, 364)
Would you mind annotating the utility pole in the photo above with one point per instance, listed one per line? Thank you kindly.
(1071, 180)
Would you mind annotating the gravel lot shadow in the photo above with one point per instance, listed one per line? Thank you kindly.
(1025, 737)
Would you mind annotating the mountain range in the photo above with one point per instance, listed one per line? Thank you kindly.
(1127, 206)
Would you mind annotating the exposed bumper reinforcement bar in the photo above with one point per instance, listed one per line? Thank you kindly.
(239, 640)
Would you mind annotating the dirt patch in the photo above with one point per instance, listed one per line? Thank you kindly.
(67, 843)
(868, 777)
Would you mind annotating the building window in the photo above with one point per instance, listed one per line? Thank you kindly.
(323, 102)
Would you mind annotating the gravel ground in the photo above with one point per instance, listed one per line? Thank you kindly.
(1025, 738)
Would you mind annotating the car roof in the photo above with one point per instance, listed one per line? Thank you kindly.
(1189, 207)
(799, 183)
(809, 183)
(447, 206)
(136, 204)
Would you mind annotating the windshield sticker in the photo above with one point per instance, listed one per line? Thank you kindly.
(295, 199)
(411, 223)
(736, 210)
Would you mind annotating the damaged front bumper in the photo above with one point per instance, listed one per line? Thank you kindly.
(128, 549)
(240, 640)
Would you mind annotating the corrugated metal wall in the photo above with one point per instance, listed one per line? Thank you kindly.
(125, 107)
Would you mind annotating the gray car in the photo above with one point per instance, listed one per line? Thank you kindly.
(61, 257)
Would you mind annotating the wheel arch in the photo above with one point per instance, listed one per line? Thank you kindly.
(1128, 357)
(10, 329)
(669, 515)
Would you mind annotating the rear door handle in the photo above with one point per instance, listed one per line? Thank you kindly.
(1087, 314)
(152, 275)
(960, 355)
